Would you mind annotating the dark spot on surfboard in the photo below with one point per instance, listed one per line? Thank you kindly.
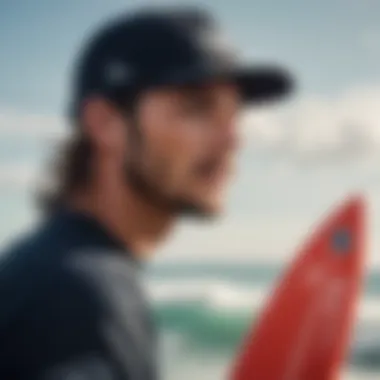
(341, 241)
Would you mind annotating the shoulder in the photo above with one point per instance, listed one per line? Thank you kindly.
(20, 273)
(46, 268)
(38, 270)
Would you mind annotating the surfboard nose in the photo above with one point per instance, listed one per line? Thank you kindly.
(354, 207)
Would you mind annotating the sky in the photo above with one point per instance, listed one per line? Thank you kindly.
(299, 159)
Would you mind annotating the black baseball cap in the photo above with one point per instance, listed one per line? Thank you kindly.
(165, 47)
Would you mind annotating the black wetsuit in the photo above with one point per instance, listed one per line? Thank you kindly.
(72, 308)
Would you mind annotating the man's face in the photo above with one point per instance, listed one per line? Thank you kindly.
(183, 153)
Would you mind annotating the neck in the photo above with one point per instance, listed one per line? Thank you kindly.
(126, 215)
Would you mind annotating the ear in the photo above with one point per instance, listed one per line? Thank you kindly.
(104, 125)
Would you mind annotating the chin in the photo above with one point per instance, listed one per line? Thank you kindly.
(203, 210)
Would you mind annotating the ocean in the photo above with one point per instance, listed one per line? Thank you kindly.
(203, 311)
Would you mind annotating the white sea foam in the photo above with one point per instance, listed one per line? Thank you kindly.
(225, 296)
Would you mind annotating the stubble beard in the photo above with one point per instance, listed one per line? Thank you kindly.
(152, 192)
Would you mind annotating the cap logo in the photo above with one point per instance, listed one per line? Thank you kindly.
(216, 42)
(117, 73)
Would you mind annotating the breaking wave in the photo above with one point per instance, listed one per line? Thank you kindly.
(214, 315)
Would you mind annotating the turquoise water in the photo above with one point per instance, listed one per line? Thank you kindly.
(204, 311)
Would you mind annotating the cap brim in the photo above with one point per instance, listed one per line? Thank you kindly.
(263, 84)
(256, 84)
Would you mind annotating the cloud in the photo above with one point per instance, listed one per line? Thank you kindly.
(17, 176)
(319, 129)
(20, 124)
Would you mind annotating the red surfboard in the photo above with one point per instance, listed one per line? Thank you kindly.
(304, 331)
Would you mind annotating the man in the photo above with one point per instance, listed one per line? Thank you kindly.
(155, 101)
